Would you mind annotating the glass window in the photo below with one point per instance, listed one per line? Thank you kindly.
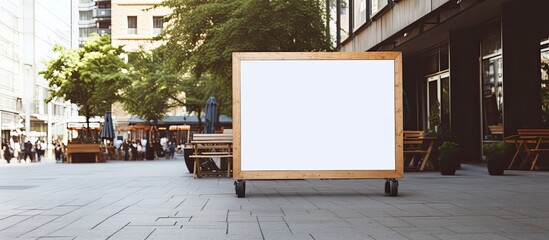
(85, 32)
(85, 15)
(132, 24)
(344, 19)
(332, 16)
(492, 92)
(158, 25)
(491, 42)
(359, 13)
(377, 5)
(545, 82)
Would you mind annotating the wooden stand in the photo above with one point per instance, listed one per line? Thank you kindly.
(73, 148)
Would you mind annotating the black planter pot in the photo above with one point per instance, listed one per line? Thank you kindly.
(447, 167)
(496, 166)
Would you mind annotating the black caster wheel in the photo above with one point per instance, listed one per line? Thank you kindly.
(391, 187)
(240, 188)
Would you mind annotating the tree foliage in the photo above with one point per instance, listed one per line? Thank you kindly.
(203, 34)
(89, 76)
(153, 84)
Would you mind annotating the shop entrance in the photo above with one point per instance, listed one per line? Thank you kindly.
(438, 100)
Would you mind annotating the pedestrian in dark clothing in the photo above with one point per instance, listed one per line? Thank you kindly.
(149, 152)
(6, 149)
(28, 151)
(133, 148)
(171, 145)
(58, 152)
(126, 149)
(157, 148)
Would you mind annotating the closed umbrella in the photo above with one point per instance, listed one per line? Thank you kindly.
(210, 117)
(107, 132)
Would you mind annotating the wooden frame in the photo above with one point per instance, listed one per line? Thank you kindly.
(393, 59)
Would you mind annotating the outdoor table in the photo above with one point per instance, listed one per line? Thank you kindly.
(528, 144)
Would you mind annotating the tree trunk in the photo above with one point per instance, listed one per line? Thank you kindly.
(88, 121)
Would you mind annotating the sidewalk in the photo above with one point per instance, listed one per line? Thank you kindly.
(161, 200)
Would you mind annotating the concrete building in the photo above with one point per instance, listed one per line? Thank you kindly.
(30, 29)
(484, 61)
(94, 17)
(135, 23)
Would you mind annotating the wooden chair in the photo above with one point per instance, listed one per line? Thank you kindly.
(414, 144)
(207, 146)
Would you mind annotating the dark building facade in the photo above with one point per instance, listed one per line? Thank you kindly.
(481, 63)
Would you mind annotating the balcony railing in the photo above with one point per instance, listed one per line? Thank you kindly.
(100, 31)
(102, 13)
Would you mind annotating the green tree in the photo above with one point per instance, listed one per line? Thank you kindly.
(203, 34)
(90, 76)
(153, 84)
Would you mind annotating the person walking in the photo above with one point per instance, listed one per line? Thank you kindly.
(28, 151)
(6, 150)
(117, 149)
(126, 149)
(58, 152)
(172, 149)
(40, 147)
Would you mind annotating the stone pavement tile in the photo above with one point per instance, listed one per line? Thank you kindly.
(391, 222)
(532, 212)
(539, 223)
(275, 227)
(425, 233)
(346, 213)
(317, 225)
(245, 228)
(470, 229)
(214, 226)
(527, 235)
(187, 234)
(277, 212)
(133, 232)
(221, 217)
(415, 210)
(427, 221)
(244, 218)
(59, 210)
(478, 236)
(10, 221)
(28, 225)
(347, 235)
(270, 219)
(170, 221)
(283, 236)
(374, 213)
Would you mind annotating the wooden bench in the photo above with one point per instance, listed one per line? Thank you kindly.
(496, 129)
(415, 143)
(83, 148)
(207, 146)
(530, 142)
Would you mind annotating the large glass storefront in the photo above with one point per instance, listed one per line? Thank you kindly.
(492, 85)
(437, 88)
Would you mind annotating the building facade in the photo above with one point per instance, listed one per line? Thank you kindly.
(94, 16)
(30, 29)
(482, 64)
(136, 22)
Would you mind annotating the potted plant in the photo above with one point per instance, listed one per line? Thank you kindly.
(448, 157)
(495, 157)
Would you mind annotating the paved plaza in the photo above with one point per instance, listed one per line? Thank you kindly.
(161, 200)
